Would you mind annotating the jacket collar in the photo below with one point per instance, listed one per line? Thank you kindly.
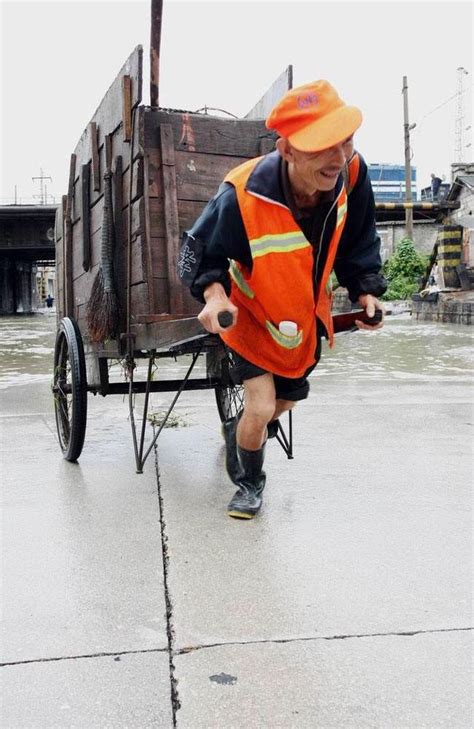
(265, 180)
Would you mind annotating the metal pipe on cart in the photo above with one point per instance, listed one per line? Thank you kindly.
(147, 398)
(139, 457)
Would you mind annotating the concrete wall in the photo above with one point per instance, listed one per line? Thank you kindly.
(424, 234)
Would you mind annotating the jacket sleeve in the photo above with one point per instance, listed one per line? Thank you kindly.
(358, 263)
(217, 236)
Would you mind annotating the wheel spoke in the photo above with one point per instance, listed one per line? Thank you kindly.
(230, 397)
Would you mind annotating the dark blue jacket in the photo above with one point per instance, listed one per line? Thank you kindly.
(218, 235)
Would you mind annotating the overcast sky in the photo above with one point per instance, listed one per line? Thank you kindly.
(59, 58)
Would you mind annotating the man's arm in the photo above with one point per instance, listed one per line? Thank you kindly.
(358, 263)
(217, 236)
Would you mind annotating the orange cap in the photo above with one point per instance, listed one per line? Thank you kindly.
(313, 117)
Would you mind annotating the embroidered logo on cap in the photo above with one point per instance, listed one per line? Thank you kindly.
(306, 100)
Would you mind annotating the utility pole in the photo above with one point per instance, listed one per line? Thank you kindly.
(408, 196)
(155, 43)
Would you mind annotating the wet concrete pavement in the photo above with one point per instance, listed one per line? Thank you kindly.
(133, 600)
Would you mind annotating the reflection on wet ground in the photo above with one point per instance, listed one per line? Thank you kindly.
(403, 350)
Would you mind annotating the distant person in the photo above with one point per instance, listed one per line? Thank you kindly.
(49, 301)
(435, 185)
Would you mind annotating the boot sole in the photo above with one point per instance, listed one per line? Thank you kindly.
(240, 515)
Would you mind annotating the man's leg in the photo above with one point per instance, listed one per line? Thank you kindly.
(259, 410)
(251, 438)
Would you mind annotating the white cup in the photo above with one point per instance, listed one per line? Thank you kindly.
(289, 328)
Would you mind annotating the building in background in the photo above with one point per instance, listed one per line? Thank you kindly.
(388, 182)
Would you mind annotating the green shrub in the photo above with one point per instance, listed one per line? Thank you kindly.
(403, 271)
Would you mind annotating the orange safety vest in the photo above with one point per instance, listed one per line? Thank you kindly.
(280, 285)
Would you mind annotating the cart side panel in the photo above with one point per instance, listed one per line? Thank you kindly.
(186, 157)
(279, 87)
(85, 203)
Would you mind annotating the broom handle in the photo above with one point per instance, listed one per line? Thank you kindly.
(107, 241)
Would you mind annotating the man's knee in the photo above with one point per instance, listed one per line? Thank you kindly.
(260, 398)
(283, 405)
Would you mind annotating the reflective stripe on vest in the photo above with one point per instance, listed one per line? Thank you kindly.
(281, 243)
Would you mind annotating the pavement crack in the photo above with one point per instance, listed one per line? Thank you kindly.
(308, 639)
(175, 702)
(107, 654)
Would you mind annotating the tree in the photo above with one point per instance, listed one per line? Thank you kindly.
(403, 271)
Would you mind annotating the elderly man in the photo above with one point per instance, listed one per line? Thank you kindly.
(263, 249)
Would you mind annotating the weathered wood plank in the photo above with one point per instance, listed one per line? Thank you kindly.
(279, 87)
(161, 335)
(83, 286)
(94, 155)
(147, 244)
(138, 219)
(210, 135)
(191, 307)
(127, 107)
(85, 217)
(161, 296)
(58, 224)
(137, 180)
(119, 254)
(139, 300)
(198, 175)
(188, 212)
(139, 268)
(159, 256)
(170, 212)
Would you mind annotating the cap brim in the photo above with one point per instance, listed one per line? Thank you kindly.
(332, 129)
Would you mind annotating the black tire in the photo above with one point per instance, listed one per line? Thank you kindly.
(70, 389)
(229, 397)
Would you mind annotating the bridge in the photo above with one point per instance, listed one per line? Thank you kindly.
(26, 241)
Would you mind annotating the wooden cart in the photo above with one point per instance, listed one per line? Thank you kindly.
(139, 177)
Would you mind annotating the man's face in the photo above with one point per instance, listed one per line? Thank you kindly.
(312, 171)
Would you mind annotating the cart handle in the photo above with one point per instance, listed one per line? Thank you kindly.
(225, 319)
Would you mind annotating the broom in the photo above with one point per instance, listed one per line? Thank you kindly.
(102, 307)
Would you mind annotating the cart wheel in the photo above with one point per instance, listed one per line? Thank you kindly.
(229, 397)
(70, 389)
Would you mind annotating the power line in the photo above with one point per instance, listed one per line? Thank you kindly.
(454, 96)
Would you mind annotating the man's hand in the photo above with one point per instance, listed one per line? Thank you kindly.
(216, 301)
(370, 304)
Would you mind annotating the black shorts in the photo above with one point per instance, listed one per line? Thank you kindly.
(286, 388)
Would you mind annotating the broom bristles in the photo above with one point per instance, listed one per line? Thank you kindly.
(102, 311)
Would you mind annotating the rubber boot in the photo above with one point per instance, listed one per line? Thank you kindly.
(232, 465)
(247, 501)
